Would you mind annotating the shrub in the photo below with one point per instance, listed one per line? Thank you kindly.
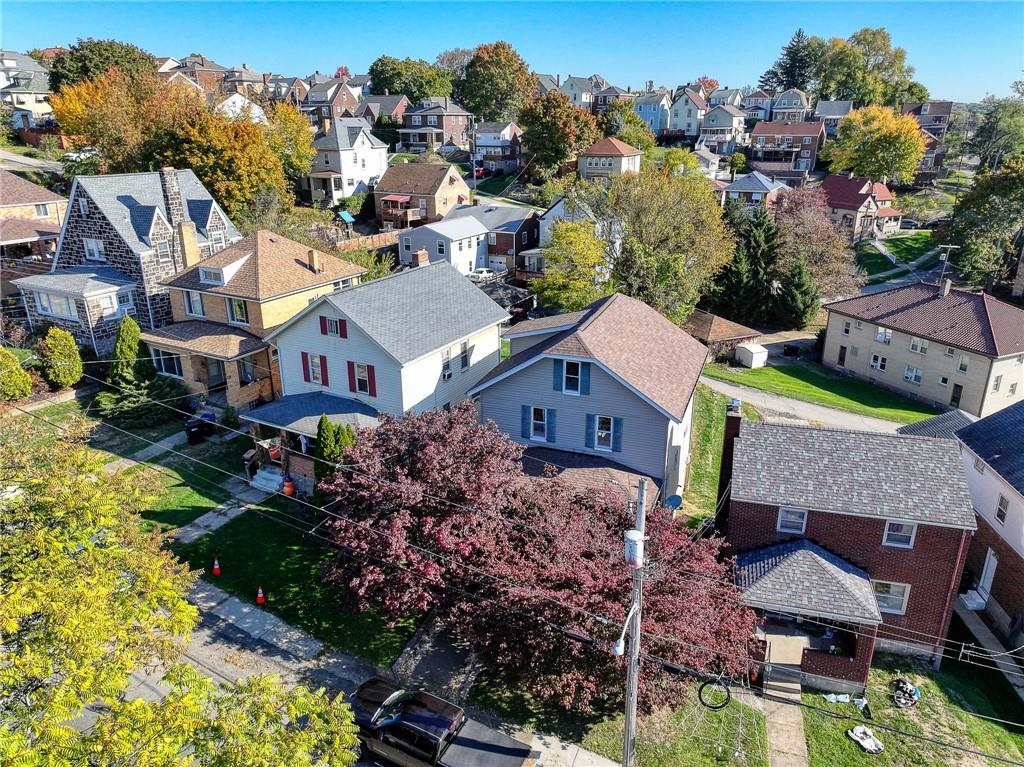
(49, 147)
(62, 363)
(15, 383)
(131, 362)
(230, 417)
(138, 404)
(354, 203)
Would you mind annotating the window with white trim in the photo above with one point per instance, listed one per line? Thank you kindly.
(440, 247)
(163, 251)
(362, 378)
(1002, 506)
(891, 597)
(42, 210)
(194, 303)
(492, 238)
(899, 534)
(407, 243)
(964, 362)
(950, 351)
(912, 374)
(605, 436)
(538, 424)
(216, 242)
(333, 326)
(93, 250)
(167, 363)
(996, 383)
(571, 377)
(464, 354)
(791, 520)
(315, 373)
(1012, 390)
(846, 328)
(878, 363)
(83, 206)
(883, 335)
(943, 380)
(919, 345)
(211, 276)
(238, 311)
(56, 305)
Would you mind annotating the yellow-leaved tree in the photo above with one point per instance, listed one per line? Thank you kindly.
(576, 267)
(878, 143)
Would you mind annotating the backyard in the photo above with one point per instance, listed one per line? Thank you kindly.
(810, 382)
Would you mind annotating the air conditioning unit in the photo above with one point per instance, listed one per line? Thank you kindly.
(446, 374)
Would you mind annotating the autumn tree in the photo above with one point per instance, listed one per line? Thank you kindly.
(866, 69)
(575, 267)
(797, 66)
(289, 137)
(454, 61)
(497, 82)
(621, 121)
(414, 78)
(110, 602)
(1000, 135)
(878, 143)
(555, 130)
(673, 160)
(342, 73)
(710, 84)
(88, 59)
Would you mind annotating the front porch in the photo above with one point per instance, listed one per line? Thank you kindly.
(397, 209)
(420, 139)
(26, 248)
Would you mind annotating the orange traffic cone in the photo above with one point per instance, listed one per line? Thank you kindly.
(260, 599)
(216, 566)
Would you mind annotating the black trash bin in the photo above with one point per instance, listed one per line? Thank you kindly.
(195, 431)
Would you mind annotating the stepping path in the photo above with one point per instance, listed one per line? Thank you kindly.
(211, 520)
(148, 452)
(784, 720)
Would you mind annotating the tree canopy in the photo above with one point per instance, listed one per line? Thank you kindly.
(289, 139)
(1000, 135)
(621, 121)
(555, 130)
(878, 143)
(797, 67)
(455, 61)
(575, 267)
(413, 78)
(497, 82)
(88, 59)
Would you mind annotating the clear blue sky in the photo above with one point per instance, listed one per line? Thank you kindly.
(961, 50)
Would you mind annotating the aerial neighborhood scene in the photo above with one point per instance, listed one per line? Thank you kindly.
(608, 386)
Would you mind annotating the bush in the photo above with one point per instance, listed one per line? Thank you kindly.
(354, 203)
(62, 363)
(49, 147)
(230, 417)
(138, 404)
(15, 383)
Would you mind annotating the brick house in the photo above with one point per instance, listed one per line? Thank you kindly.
(511, 230)
(946, 347)
(434, 123)
(788, 149)
(132, 231)
(329, 99)
(30, 221)
(822, 520)
(605, 97)
(375, 109)
(753, 190)
(497, 146)
(413, 193)
(932, 161)
(224, 305)
(860, 207)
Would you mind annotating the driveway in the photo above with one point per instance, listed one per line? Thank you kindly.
(13, 161)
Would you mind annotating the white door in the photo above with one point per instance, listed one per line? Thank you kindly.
(988, 572)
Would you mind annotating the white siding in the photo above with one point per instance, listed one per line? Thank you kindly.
(423, 387)
(678, 454)
(472, 255)
(985, 488)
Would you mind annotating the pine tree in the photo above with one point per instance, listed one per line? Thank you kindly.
(798, 300)
(326, 449)
(62, 363)
(734, 288)
(761, 241)
(795, 68)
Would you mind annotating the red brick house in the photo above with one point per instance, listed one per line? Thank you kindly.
(820, 519)
(433, 123)
(859, 206)
(790, 149)
(330, 99)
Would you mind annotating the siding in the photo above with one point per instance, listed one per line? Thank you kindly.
(644, 431)
(422, 386)
(474, 249)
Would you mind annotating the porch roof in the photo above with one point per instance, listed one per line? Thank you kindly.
(396, 198)
(300, 413)
(801, 577)
(18, 230)
(324, 174)
(205, 338)
(590, 472)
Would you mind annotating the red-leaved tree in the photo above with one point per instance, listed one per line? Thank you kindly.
(341, 72)
(527, 559)
(710, 84)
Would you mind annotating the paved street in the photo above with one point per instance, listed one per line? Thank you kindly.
(13, 161)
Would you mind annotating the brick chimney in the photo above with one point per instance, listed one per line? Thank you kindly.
(558, 79)
(421, 257)
(172, 196)
(325, 124)
(733, 418)
(313, 261)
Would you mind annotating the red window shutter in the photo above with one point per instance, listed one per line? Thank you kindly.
(371, 379)
(343, 328)
(323, 371)
(323, 325)
(351, 376)
(305, 367)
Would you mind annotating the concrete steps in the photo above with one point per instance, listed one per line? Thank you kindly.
(268, 479)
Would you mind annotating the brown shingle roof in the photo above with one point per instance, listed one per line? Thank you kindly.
(414, 178)
(710, 328)
(784, 128)
(274, 266)
(611, 147)
(589, 472)
(973, 321)
(656, 358)
(14, 230)
(17, 191)
(207, 338)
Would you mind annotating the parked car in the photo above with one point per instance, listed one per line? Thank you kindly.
(78, 155)
(482, 275)
(909, 223)
(413, 728)
(935, 223)
(479, 172)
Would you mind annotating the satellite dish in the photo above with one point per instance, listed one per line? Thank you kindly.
(673, 502)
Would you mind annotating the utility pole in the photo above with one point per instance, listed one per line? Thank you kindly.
(635, 558)
(944, 258)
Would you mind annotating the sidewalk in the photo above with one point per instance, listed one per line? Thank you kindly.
(784, 721)
(901, 269)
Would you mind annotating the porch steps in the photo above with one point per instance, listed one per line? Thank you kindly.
(268, 479)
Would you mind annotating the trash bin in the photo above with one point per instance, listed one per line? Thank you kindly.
(195, 431)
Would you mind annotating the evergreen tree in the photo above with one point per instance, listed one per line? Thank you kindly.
(733, 287)
(795, 68)
(326, 449)
(131, 361)
(761, 242)
(62, 363)
(136, 390)
(797, 302)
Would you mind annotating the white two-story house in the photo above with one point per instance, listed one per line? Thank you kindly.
(603, 394)
(722, 129)
(349, 160)
(462, 242)
(687, 115)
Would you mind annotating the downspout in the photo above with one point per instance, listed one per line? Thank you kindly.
(952, 592)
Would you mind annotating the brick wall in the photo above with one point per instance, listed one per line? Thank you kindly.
(932, 567)
(1008, 583)
(853, 667)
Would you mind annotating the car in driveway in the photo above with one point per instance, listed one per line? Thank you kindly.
(413, 728)
(909, 223)
(935, 223)
(482, 275)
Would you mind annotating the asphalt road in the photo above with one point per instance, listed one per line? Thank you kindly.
(12, 161)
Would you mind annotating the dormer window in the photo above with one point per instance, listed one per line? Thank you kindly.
(163, 252)
(924, 109)
(211, 276)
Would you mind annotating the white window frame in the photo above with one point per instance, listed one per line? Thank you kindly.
(160, 358)
(440, 247)
(964, 364)
(83, 206)
(232, 317)
(913, 375)
(407, 243)
(610, 431)
(896, 544)
(45, 305)
(189, 298)
(950, 351)
(979, 465)
(878, 362)
(542, 422)
(211, 276)
(362, 374)
(163, 251)
(1012, 389)
(943, 380)
(1002, 507)
(94, 250)
(906, 597)
(997, 382)
(783, 511)
(333, 326)
(578, 376)
(316, 374)
(883, 335)
(45, 206)
(464, 355)
(919, 345)
(217, 242)
(846, 328)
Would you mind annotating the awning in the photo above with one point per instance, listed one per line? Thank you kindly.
(396, 198)
(300, 413)
(18, 230)
(887, 213)
(324, 174)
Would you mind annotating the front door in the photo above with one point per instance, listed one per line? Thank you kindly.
(214, 374)
(842, 357)
(988, 574)
(958, 391)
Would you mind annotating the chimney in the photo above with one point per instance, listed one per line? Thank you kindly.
(172, 196)
(186, 231)
(313, 261)
(733, 418)
(558, 79)
(325, 124)
(946, 285)
(421, 257)
(476, 200)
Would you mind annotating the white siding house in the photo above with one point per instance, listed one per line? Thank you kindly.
(349, 160)
(462, 242)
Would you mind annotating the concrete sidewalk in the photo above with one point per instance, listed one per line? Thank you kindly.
(148, 452)
(784, 719)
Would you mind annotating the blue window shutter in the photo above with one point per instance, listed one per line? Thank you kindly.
(552, 413)
(584, 378)
(617, 435)
(526, 422)
(558, 380)
(591, 431)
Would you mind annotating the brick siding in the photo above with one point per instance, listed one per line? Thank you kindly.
(1008, 583)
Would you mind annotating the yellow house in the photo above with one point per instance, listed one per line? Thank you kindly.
(224, 305)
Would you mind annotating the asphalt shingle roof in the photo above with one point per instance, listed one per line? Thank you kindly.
(77, 281)
(891, 476)
(787, 128)
(414, 178)
(14, 230)
(495, 218)
(973, 321)
(207, 338)
(445, 307)
(300, 413)
(998, 439)
(15, 190)
(710, 328)
(801, 577)
(942, 426)
(833, 108)
(343, 134)
(29, 82)
(755, 181)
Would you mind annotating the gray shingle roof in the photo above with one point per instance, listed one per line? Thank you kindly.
(942, 426)
(496, 218)
(29, 82)
(803, 578)
(998, 439)
(344, 132)
(457, 228)
(123, 199)
(300, 413)
(891, 476)
(76, 281)
(546, 83)
(379, 105)
(755, 182)
(415, 312)
(22, 62)
(833, 108)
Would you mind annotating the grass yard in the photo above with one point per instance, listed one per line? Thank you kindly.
(37, 176)
(25, 150)
(872, 260)
(401, 157)
(909, 247)
(940, 715)
(813, 383)
(256, 550)
(493, 184)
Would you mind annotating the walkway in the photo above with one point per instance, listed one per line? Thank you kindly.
(983, 634)
(904, 274)
(147, 453)
(784, 721)
(778, 409)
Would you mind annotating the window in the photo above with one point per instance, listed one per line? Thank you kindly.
(604, 435)
(163, 252)
(332, 326)
(878, 363)
(883, 335)
(524, 238)
(846, 328)
(336, 183)
(93, 250)
(996, 383)
(407, 243)
(43, 209)
(446, 364)
(1002, 506)
(238, 311)
(944, 381)
(362, 378)
(859, 324)
(807, 139)
(918, 345)
(440, 247)
(56, 305)
(216, 242)
(464, 355)
(979, 465)
(949, 351)
(167, 363)
(316, 373)
(538, 424)
(899, 534)
(571, 377)
(416, 119)
(115, 305)
(211, 276)
(891, 597)
(964, 360)
(791, 520)
(83, 206)
(912, 375)
(246, 370)
(1013, 389)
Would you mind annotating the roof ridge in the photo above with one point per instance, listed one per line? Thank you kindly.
(823, 564)
(605, 301)
(350, 290)
(834, 430)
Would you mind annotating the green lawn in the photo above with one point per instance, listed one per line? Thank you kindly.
(493, 184)
(257, 550)
(23, 149)
(909, 247)
(105, 437)
(871, 260)
(939, 715)
(401, 157)
(813, 383)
